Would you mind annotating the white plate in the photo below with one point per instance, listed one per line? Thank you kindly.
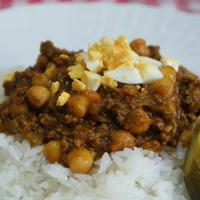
(73, 26)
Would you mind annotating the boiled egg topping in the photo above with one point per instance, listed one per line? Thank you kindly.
(166, 60)
(112, 60)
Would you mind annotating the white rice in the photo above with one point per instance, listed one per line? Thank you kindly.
(127, 175)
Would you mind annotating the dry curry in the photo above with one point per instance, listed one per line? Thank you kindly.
(77, 125)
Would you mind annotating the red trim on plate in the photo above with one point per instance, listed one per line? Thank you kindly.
(182, 4)
(5, 3)
(152, 2)
(185, 5)
(122, 1)
(65, 0)
(93, 0)
(35, 1)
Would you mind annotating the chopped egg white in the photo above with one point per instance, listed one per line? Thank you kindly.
(91, 80)
(125, 74)
(147, 60)
(166, 60)
(93, 61)
(134, 54)
(150, 73)
(136, 57)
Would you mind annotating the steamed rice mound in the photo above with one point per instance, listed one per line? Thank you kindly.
(126, 175)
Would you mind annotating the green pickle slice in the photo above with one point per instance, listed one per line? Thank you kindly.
(192, 164)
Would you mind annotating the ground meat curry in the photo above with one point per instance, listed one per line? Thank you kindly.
(77, 127)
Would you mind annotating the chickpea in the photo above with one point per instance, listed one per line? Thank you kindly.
(78, 105)
(122, 139)
(91, 95)
(163, 87)
(80, 160)
(169, 73)
(38, 96)
(138, 121)
(40, 79)
(52, 151)
(140, 47)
